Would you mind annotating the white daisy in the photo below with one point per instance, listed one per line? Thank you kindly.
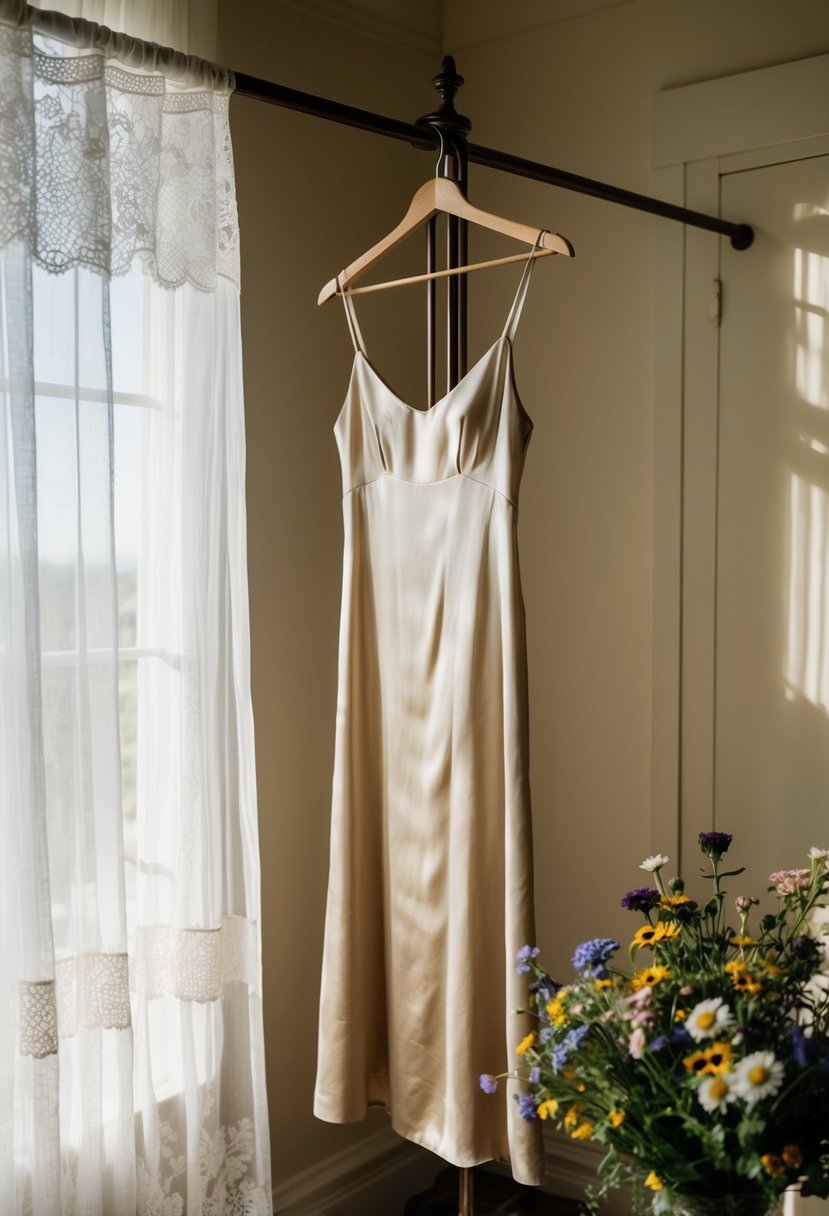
(652, 864)
(715, 1093)
(708, 1020)
(757, 1076)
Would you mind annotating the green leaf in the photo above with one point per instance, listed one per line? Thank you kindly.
(733, 873)
(815, 1183)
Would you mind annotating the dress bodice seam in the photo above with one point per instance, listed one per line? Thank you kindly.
(363, 485)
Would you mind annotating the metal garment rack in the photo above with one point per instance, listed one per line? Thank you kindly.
(447, 129)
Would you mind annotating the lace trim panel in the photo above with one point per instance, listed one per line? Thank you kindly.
(93, 990)
(196, 964)
(38, 1020)
(100, 165)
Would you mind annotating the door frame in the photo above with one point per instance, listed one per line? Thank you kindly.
(702, 132)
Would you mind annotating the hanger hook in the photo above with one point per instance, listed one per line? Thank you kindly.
(442, 152)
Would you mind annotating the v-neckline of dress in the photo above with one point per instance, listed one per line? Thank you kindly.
(442, 401)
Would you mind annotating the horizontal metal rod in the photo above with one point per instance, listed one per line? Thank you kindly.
(334, 111)
(741, 235)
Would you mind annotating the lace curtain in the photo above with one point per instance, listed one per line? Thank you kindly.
(131, 1047)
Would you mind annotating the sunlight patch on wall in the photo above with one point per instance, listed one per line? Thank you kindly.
(811, 295)
(807, 642)
(807, 655)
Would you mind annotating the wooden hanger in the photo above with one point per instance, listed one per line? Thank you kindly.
(441, 194)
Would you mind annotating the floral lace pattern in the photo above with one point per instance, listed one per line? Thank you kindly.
(100, 164)
(222, 1181)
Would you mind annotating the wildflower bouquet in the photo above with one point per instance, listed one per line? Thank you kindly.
(704, 1068)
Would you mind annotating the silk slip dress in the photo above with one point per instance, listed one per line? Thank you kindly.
(430, 887)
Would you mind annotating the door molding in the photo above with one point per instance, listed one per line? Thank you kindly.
(702, 132)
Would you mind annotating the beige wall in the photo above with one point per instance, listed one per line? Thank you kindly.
(577, 92)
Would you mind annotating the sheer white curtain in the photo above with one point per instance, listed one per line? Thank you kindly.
(131, 1052)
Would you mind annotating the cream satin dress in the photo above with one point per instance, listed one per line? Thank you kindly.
(430, 891)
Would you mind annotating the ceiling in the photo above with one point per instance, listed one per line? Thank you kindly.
(437, 26)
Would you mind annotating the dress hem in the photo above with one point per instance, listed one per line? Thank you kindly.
(462, 1163)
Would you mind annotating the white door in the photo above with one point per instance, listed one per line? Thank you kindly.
(741, 560)
(771, 661)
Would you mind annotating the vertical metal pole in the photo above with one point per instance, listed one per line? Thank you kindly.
(458, 245)
(466, 1195)
(452, 302)
(431, 327)
(463, 258)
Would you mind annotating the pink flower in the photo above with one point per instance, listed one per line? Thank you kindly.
(637, 1043)
(789, 882)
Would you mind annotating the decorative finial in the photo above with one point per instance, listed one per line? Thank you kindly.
(447, 82)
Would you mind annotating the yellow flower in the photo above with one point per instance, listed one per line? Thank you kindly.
(571, 1118)
(741, 977)
(673, 901)
(710, 1062)
(547, 1108)
(583, 1132)
(654, 1181)
(648, 935)
(741, 940)
(773, 1165)
(680, 1015)
(718, 1058)
(697, 1062)
(526, 1043)
(581, 1087)
(555, 1008)
(652, 935)
(771, 967)
(792, 1156)
(649, 977)
(600, 984)
(617, 1117)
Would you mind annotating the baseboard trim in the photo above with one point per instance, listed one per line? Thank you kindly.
(344, 1175)
(572, 1166)
(349, 1179)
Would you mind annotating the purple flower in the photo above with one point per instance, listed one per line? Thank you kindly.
(661, 1041)
(559, 1057)
(802, 1048)
(526, 1106)
(641, 899)
(488, 1083)
(546, 1033)
(714, 844)
(576, 1036)
(535, 1075)
(592, 955)
(523, 956)
(570, 1043)
(809, 1049)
